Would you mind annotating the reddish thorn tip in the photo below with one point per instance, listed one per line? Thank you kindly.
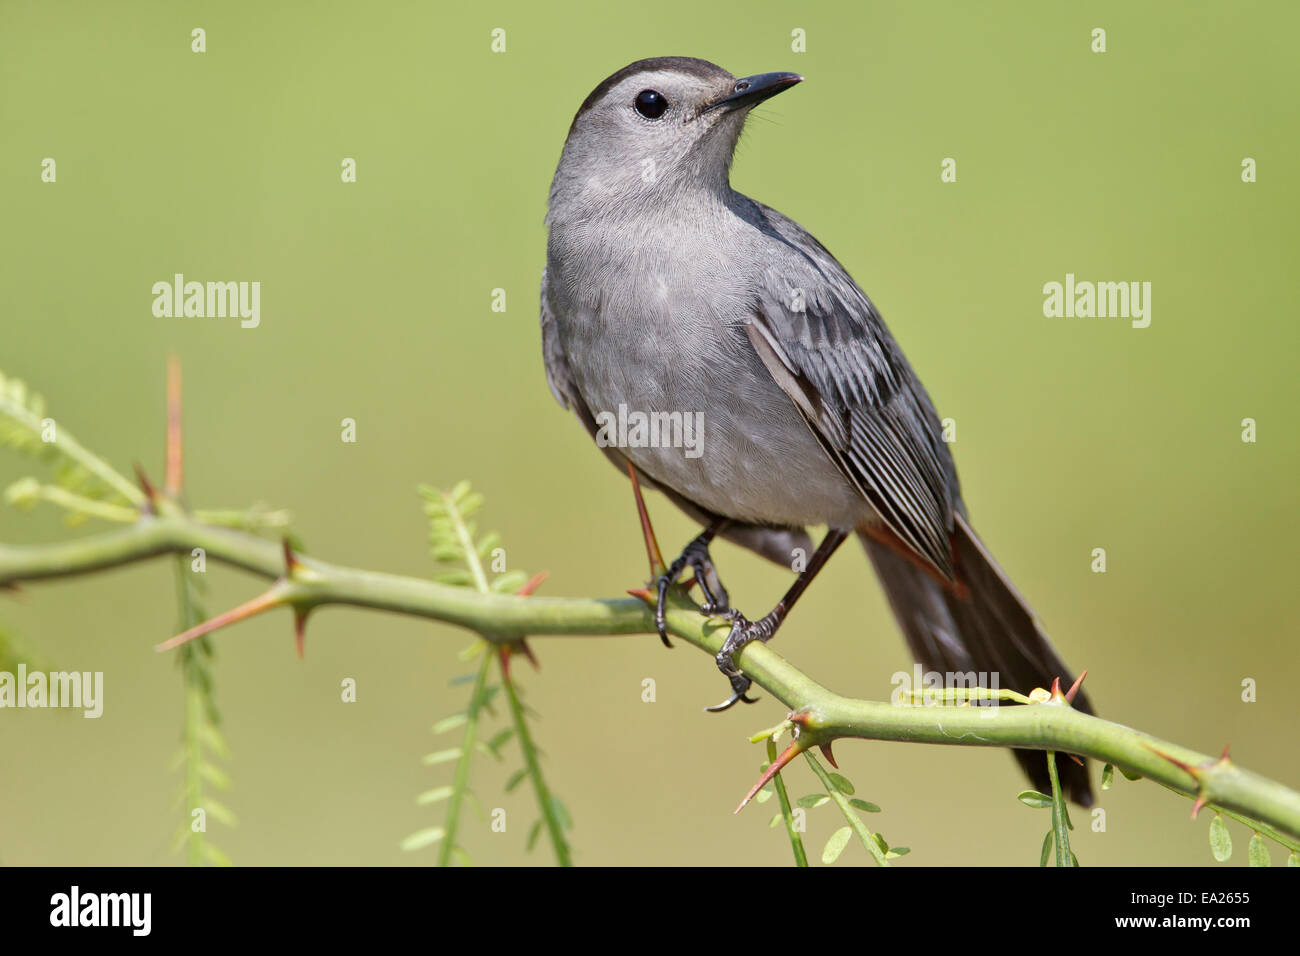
(528, 653)
(1074, 688)
(787, 755)
(263, 602)
(830, 757)
(146, 485)
(291, 562)
(1173, 760)
(642, 593)
(533, 583)
(175, 468)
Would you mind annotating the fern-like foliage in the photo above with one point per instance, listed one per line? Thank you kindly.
(201, 741)
(27, 428)
(464, 558)
(467, 559)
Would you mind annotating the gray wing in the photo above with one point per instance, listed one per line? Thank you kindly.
(775, 544)
(826, 345)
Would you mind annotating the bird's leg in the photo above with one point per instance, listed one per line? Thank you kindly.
(696, 556)
(647, 530)
(744, 631)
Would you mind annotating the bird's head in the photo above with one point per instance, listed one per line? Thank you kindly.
(656, 126)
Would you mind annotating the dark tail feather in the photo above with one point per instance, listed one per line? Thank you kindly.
(984, 626)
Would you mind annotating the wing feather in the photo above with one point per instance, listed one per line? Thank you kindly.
(828, 348)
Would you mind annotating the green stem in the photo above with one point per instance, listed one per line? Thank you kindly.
(850, 815)
(529, 750)
(460, 779)
(1060, 830)
(467, 543)
(87, 506)
(796, 842)
(193, 759)
(194, 715)
(248, 520)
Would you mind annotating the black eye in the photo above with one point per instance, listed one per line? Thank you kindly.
(650, 104)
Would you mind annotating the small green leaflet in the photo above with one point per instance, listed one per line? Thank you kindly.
(835, 845)
(1032, 798)
(1257, 852)
(1220, 841)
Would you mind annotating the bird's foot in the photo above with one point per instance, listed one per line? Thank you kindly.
(743, 632)
(695, 556)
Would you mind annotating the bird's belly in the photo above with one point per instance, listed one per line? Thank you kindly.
(689, 402)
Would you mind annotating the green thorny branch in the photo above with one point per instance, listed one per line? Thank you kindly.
(818, 716)
(453, 544)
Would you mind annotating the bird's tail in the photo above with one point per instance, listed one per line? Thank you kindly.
(981, 625)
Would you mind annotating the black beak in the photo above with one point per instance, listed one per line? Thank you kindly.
(754, 89)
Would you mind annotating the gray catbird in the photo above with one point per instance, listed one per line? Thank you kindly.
(669, 298)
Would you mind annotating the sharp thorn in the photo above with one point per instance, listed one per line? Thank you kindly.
(1192, 771)
(147, 486)
(533, 583)
(826, 752)
(264, 602)
(1201, 801)
(1074, 688)
(790, 752)
(175, 471)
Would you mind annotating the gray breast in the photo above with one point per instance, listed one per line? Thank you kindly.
(646, 344)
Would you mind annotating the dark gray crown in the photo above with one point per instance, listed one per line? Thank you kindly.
(682, 64)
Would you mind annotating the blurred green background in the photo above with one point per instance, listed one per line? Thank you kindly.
(1072, 433)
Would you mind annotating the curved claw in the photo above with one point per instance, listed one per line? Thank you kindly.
(661, 602)
(730, 701)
